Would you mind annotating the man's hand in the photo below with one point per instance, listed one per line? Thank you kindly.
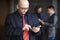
(41, 21)
(35, 29)
(26, 27)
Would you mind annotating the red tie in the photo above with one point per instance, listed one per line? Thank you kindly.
(25, 33)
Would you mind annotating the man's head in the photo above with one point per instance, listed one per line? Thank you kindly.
(38, 9)
(50, 9)
(22, 6)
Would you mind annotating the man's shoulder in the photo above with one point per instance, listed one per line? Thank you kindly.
(32, 16)
(10, 15)
(29, 14)
(55, 15)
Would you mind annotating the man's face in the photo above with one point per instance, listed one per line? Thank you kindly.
(39, 10)
(49, 11)
(23, 8)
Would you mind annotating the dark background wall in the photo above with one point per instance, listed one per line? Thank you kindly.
(59, 13)
(4, 10)
(58, 29)
(8, 6)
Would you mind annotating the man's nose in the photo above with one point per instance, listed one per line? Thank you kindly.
(24, 10)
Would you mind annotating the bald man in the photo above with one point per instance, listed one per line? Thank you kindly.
(15, 26)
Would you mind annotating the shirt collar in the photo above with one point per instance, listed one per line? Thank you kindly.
(51, 14)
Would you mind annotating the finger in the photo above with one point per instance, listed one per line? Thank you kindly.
(39, 19)
(23, 28)
(28, 26)
(39, 26)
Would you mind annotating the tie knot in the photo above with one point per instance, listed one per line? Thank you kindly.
(22, 15)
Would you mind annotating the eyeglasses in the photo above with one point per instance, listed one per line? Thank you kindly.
(24, 8)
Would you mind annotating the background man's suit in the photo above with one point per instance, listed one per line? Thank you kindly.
(51, 26)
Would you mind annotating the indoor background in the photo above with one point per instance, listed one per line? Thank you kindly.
(8, 6)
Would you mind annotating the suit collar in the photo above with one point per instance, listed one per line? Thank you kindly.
(52, 14)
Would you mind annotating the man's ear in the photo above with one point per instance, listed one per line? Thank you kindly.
(17, 6)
